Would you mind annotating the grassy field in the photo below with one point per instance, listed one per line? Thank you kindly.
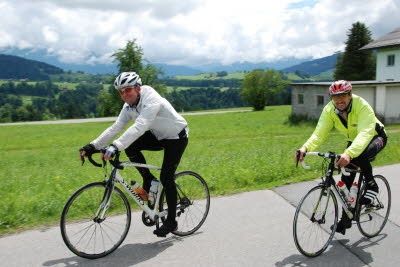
(234, 152)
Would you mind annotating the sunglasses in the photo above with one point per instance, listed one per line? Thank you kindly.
(126, 90)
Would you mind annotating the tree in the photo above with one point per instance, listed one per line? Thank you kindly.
(259, 87)
(129, 58)
(355, 64)
(222, 73)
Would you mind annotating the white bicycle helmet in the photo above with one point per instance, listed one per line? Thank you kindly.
(126, 79)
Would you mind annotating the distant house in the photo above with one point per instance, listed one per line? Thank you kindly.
(383, 94)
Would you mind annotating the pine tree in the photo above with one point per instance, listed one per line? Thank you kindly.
(355, 64)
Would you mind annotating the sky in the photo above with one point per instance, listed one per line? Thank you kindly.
(190, 32)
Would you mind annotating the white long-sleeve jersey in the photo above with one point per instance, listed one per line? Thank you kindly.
(153, 113)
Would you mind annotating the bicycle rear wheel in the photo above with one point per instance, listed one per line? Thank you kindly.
(373, 217)
(90, 236)
(193, 202)
(316, 213)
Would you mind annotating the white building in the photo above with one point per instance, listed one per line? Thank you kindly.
(383, 94)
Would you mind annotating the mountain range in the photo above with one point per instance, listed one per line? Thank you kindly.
(314, 67)
(12, 67)
(304, 66)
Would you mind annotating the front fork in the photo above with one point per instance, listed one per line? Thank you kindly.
(325, 191)
(105, 202)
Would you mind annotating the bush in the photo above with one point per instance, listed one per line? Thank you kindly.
(295, 119)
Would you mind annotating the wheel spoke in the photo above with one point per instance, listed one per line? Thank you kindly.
(372, 218)
(191, 188)
(312, 238)
(101, 236)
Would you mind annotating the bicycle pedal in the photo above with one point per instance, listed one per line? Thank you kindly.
(146, 220)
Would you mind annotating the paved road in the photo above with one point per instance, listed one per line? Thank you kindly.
(247, 229)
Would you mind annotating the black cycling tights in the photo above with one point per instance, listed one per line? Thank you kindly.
(173, 150)
(364, 160)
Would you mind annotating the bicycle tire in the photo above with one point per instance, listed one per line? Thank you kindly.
(81, 215)
(316, 228)
(193, 202)
(371, 219)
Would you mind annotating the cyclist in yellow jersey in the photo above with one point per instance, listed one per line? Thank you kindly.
(352, 116)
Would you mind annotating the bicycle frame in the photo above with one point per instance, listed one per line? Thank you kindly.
(115, 176)
(329, 182)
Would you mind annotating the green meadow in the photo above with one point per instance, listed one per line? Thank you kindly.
(234, 152)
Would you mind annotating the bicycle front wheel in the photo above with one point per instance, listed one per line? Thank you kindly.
(85, 231)
(373, 217)
(315, 221)
(193, 202)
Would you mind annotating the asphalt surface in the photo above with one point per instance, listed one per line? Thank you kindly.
(247, 229)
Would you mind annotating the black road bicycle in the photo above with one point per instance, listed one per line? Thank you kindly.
(316, 215)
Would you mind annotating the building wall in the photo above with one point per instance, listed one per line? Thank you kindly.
(392, 107)
(310, 106)
(366, 92)
(383, 71)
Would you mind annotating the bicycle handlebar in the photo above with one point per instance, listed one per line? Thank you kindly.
(327, 155)
(115, 162)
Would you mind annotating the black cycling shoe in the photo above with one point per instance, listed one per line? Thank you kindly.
(166, 228)
(370, 193)
(343, 224)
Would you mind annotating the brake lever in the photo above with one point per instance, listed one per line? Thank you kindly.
(304, 165)
(297, 157)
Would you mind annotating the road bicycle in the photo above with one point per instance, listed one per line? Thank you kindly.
(316, 216)
(97, 217)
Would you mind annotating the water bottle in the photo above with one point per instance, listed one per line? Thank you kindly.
(136, 188)
(343, 190)
(153, 191)
(353, 194)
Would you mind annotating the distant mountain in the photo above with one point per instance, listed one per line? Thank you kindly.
(168, 69)
(43, 56)
(13, 67)
(248, 66)
(314, 67)
(173, 70)
(305, 66)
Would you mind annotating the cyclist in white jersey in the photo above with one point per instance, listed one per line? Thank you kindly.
(156, 126)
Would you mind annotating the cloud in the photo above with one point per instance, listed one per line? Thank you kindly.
(191, 32)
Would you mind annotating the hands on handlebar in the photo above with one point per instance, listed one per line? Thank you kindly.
(107, 154)
(299, 156)
(342, 160)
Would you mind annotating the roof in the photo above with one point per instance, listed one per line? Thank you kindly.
(389, 40)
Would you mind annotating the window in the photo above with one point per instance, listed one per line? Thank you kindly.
(300, 99)
(320, 100)
(390, 60)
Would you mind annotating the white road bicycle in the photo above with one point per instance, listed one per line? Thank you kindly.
(97, 217)
(316, 216)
